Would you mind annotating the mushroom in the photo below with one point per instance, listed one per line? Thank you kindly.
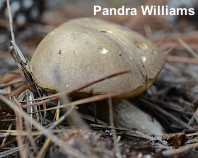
(86, 49)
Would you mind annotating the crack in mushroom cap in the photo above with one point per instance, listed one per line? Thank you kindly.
(86, 49)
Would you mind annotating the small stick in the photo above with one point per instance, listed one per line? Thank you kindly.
(117, 149)
(18, 55)
(44, 148)
(87, 100)
(173, 58)
(10, 20)
(140, 134)
(19, 90)
(99, 80)
(7, 144)
(193, 117)
(21, 133)
(4, 140)
(17, 80)
(55, 96)
(188, 48)
(19, 129)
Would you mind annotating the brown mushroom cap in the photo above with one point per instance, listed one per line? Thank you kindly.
(87, 49)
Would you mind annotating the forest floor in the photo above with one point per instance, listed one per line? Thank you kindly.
(173, 99)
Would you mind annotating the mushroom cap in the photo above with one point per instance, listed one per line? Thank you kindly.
(86, 49)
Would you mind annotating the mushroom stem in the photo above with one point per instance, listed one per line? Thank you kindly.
(128, 115)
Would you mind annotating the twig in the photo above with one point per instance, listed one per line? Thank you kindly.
(19, 129)
(9, 152)
(17, 80)
(169, 50)
(57, 122)
(7, 144)
(18, 55)
(193, 117)
(117, 149)
(4, 140)
(19, 90)
(9, 77)
(92, 119)
(172, 58)
(56, 96)
(22, 133)
(87, 100)
(137, 133)
(10, 21)
(148, 31)
(99, 80)
(44, 148)
(188, 48)
(13, 43)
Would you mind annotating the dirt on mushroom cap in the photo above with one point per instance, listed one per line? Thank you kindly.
(86, 49)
